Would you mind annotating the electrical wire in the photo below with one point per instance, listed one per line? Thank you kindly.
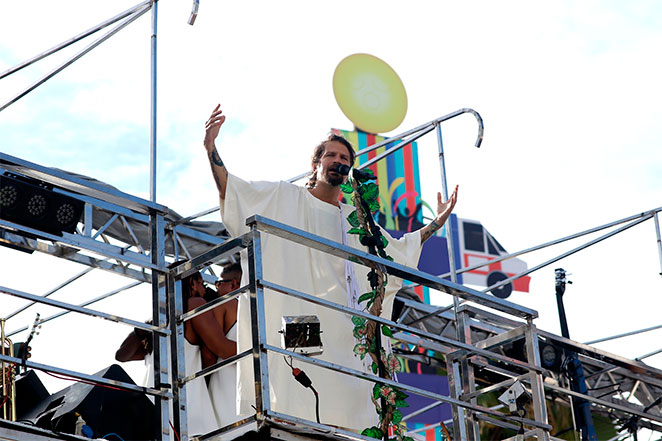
(317, 404)
(112, 434)
(82, 381)
(174, 431)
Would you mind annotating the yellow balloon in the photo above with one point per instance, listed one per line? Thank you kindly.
(370, 93)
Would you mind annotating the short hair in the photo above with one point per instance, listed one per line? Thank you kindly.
(319, 151)
(234, 269)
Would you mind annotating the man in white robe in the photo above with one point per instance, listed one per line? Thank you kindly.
(344, 400)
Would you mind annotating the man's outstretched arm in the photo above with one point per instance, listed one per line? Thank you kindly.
(218, 170)
(443, 211)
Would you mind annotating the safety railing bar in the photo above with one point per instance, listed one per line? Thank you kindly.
(216, 366)
(608, 404)
(90, 302)
(82, 376)
(127, 20)
(225, 249)
(83, 310)
(395, 148)
(230, 427)
(213, 304)
(51, 292)
(74, 39)
(88, 244)
(128, 228)
(320, 428)
(464, 347)
(418, 391)
(345, 252)
(568, 253)
(105, 226)
(626, 334)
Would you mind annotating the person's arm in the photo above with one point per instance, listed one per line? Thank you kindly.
(135, 346)
(444, 210)
(218, 170)
(211, 333)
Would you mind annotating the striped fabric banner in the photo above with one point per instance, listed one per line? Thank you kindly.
(398, 180)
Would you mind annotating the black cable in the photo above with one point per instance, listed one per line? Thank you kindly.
(305, 381)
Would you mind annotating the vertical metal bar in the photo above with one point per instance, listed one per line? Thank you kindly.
(258, 317)
(444, 189)
(455, 389)
(467, 377)
(177, 357)
(537, 387)
(459, 413)
(152, 127)
(160, 318)
(88, 219)
(659, 241)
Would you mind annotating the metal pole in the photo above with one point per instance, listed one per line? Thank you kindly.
(152, 127)
(75, 39)
(70, 61)
(659, 241)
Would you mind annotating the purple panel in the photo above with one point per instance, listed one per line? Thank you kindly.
(433, 383)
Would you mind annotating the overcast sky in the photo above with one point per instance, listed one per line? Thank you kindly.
(569, 93)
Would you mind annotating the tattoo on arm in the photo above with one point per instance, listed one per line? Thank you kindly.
(429, 230)
(220, 176)
(215, 159)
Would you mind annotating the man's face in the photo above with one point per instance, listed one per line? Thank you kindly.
(228, 283)
(334, 154)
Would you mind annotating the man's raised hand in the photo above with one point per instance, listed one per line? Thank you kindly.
(213, 126)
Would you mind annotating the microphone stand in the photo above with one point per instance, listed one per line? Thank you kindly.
(574, 366)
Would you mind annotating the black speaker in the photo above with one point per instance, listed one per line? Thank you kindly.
(30, 392)
(34, 204)
(105, 410)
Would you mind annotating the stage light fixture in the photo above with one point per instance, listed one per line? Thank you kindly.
(34, 204)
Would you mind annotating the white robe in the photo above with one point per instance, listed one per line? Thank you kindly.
(344, 400)
(199, 410)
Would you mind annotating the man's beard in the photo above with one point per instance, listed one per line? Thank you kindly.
(334, 180)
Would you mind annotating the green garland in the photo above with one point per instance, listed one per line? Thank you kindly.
(364, 194)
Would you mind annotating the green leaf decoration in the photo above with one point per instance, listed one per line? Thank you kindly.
(384, 242)
(347, 187)
(401, 395)
(361, 349)
(353, 219)
(373, 345)
(360, 231)
(358, 321)
(387, 331)
(369, 192)
(389, 258)
(401, 403)
(373, 432)
(360, 331)
(375, 390)
(367, 296)
(393, 363)
(373, 206)
(397, 417)
(408, 438)
(374, 367)
(355, 259)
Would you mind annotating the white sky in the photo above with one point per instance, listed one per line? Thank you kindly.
(569, 92)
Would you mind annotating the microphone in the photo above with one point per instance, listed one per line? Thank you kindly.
(358, 174)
